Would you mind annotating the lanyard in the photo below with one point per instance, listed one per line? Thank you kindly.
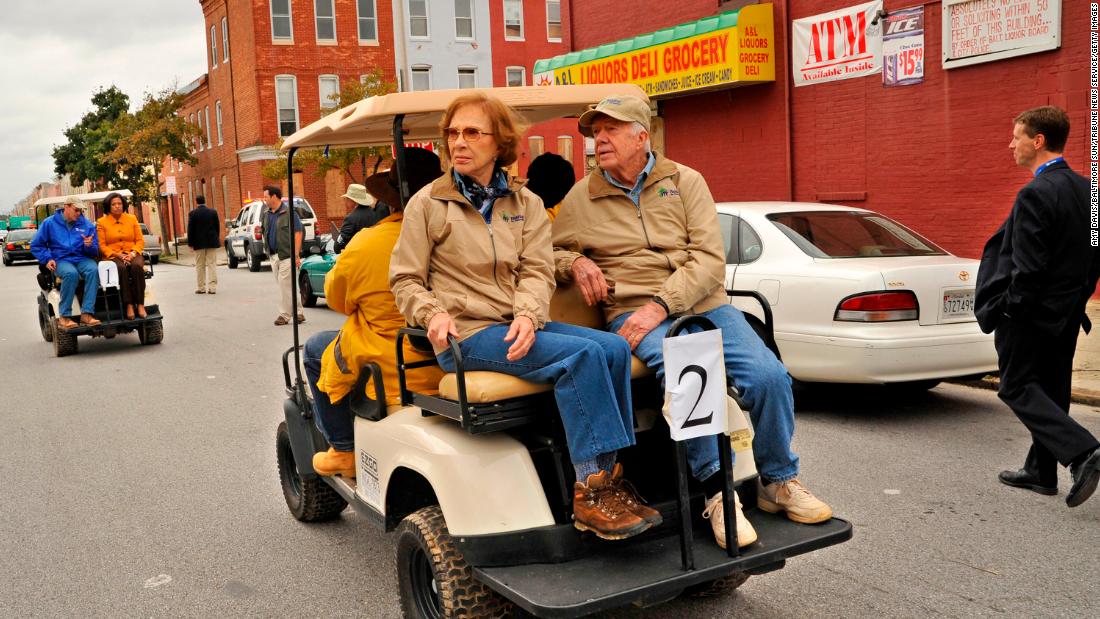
(1048, 164)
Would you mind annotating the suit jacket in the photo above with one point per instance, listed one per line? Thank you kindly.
(203, 228)
(1040, 267)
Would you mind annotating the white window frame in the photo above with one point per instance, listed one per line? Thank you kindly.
(212, 197)
(427, 21)
(518, 3)
(536, 145)
(420, 68)
(297, 115)
(198, 114)
(214, 46)
(549, 38)
(522, 74)
(565, 142)
(225, 196)
(209, 144)
(467, 70)
(225, 39)
(473, 31)
(359, 22)
(326, 103)
(290, 20)
(317, 23)
(218, 117)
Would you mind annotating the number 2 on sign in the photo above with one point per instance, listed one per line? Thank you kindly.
(690, 421)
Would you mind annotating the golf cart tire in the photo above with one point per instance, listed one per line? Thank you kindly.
(64, 343)
(254, 261)
(426, 554)
(717, 587)
(233, 262)
(151, 333)
(44, 325)
(306, 289)
(310, 499)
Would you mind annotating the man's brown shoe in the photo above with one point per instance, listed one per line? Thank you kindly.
(200, 292)
(597, 507)
(630, 497)
(65, 322)
(792, 497)
(715, 512)
(89, 320)
(281, 320)
(332, 462)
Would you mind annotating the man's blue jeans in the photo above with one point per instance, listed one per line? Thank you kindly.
(762, 381)
(70, 275)
(333, 419)
(590, 371)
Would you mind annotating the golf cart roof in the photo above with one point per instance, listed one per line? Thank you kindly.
(94, 197)
(370, 122)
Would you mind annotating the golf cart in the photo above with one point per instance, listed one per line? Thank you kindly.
(476, 481)
(108, 304)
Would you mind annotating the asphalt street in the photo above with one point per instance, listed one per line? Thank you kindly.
(142, 482)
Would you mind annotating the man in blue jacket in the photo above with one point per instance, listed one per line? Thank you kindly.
(66, 244)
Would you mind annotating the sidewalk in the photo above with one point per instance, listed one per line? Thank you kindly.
(187, 257)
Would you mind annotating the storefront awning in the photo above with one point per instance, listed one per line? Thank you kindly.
(731, 49)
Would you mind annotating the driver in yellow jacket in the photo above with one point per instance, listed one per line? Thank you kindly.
(358, 286)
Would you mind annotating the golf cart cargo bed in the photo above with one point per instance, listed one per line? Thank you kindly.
(651, 572)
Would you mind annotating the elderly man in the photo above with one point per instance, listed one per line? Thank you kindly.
(66, 244)
(639, 235)
(364, 213)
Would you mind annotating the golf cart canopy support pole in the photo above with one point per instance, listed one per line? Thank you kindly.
(399, 158)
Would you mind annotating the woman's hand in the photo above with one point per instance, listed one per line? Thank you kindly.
(439, 327)
(523, 332)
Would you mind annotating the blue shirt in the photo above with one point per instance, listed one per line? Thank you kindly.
(272, 221)
(635, 192)
(61, 241)
(1046, 165)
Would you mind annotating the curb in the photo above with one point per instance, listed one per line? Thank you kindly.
(1086, 397)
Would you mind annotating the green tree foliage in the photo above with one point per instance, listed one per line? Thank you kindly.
(90, 140)
(356, 163)
(145, 138)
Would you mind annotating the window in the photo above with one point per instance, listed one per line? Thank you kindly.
(851, 234)
(368, 20)
(421, 78)
(467, 77)
(536, 145)
(225, 39)
(565, 147)
(329, 91)
(280, 20)
(553, 21)
(214, 46)
(212, 199)
(418, 18)
(516, 76)
(200, 133)
(740, 240)
(326, 20)
(207, 114)
(286, 98)
(464, 19)
(513, 20)
(225, 196)
(218, 117)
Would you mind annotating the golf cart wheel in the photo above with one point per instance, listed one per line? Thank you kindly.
(44, 325)
(433, 579)
(716, 587)
(254, 261)
(233, 262)
(309, 500)
(308, 298)
(151, 333)
(64, 343)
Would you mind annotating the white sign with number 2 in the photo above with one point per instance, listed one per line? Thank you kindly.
(695, 385)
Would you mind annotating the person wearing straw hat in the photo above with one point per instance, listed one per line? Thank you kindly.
(365, 212)
(66, 244)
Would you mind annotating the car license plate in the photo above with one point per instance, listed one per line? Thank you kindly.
(958, 304)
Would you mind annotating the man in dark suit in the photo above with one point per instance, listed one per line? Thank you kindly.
(1037, 273)
(203, 232)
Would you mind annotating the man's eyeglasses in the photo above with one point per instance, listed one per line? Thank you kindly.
(470, 134)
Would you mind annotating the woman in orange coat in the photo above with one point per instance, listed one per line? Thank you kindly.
(121, 242)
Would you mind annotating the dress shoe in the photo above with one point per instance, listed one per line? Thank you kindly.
(1024, 478)
(1085, 476)
(281, 320)
(89, 320)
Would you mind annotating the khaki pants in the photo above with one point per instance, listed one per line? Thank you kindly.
(206, 273)
(281, 269)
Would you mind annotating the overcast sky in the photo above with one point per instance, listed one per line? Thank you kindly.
(56, 53)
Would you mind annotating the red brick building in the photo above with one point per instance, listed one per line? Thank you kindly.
(271, 66)
(933, 155)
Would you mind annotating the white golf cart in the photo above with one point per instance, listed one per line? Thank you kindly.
(476, 481)
(108, 305)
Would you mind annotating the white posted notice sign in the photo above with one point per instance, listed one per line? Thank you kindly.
(837, 46)
(976, 31)
(695, 382)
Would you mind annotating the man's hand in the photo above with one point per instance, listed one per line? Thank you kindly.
(87, 241)
(523, 332)
(51, 265)
(590, 280)
(642, 322)
(439, 327)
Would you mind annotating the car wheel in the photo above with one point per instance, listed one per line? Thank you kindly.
(44, 325)
(64, 343)
(433, 579)
(309, 500)
(308, 298)
(716, 587)
(254, 261)
(7, 261)
(151, 333)
(233, 262)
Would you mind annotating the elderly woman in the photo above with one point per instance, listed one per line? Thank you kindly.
(121, 242)
(474, 261)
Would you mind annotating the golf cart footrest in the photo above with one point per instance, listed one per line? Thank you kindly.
(482, 417)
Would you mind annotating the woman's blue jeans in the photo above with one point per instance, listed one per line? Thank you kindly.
(590, 371)
(762, 381)
(333, 419)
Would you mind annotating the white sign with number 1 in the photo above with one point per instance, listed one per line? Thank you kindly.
(695, 385)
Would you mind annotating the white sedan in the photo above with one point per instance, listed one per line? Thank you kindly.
(855, 296)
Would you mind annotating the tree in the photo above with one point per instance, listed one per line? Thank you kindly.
(355, 163)
(91, 140)
(145, 138)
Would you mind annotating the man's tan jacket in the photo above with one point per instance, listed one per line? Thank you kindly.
(668, 246)
(448, 259)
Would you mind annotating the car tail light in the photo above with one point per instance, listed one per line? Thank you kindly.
(11, 245)
(258, 233)
(878, 307)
